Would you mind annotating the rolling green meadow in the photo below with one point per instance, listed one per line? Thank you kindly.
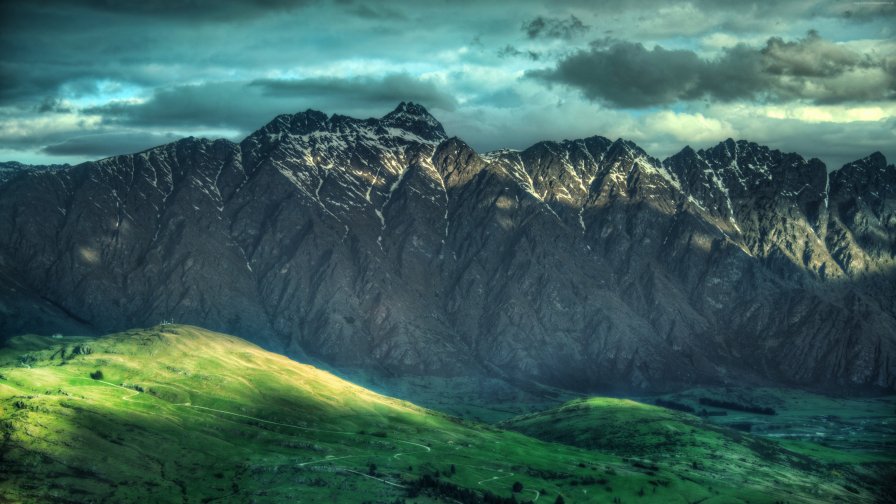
(179, 414)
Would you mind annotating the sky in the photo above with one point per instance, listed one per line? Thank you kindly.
(82, 80)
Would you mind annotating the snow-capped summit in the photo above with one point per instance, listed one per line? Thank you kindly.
(416, 119)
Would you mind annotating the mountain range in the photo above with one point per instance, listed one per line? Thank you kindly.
(9, 169)
(385, 245)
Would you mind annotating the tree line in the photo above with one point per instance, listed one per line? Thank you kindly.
(749, 408)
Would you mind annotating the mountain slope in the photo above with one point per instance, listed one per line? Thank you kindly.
(382, 244)
(180, 414)
(653, 437)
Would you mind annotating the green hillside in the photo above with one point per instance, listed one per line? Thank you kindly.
(848, 429)
(691, 447)
(180, 414)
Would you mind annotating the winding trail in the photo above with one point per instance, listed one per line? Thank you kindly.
(373, 478)
(397, 455)
(123, 398)
(328, 458)
(495, 478)
(188, 405)
(426, 448)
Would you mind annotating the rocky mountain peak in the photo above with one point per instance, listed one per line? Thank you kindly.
(416, 119)
(730, 151)
(456, 162)
(626, 147)
(745, 166)
(687, 152)
(873, 166)
(870, 174)
(300, 123)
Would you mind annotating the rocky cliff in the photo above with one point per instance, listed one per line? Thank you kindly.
(382, 243)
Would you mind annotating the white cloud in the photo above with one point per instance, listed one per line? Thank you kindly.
(830, 113)
(14, 129)
(686, 127)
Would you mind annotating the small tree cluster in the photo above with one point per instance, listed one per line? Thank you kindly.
(674, 405)
(454, 492)
(749, 408)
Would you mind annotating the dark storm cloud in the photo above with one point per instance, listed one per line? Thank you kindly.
(181, 10)
(248, 105)
(388, 90)
(45, 49)
(762, 11)
(218, 104)
(53, 105)
(107, 144)
(22, 82)
(811, 57)
(627, 74)
(557, 28)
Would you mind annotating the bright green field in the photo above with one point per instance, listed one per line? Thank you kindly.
(186, 415)
(692, 446)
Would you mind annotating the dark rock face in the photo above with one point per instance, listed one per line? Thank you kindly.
(383, 244)
(9, 169)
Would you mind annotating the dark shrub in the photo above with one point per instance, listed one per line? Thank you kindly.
(674, 405)
(749, 408)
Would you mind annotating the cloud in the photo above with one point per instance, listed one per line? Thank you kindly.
(54, 105)
(510, 51)
(686, 127)
(556, 28)
(387, 90)
(246, 105)
(218, 104)
(830, 113)
(108, 144)
(179, 10)
(21, 129)
(74, 69)
(62, 49)
(377, 12)
(811, 57)
(863, 11)
(627, 74)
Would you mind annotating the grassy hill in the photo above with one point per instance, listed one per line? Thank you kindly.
(691, 447)
(180, 414)
(848, 429)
